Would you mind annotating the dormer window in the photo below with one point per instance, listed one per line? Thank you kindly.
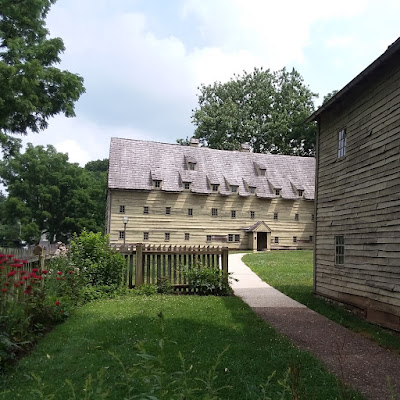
(157, 184)
(234, 188)
(192, 166)
(186, 185)
(262, 171)
(277, 192)
(215, 188)
(300, 193)
(252, 189)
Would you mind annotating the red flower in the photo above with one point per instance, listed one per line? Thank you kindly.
(16, 284)
(10, 255)
(25, 277)
(39, 277)
(44, 272)
(59, 273)
(23, 272)
(6, 283)
(71, 272)
(4, 290)
(58, 278)
(1, 267)
(32, 275)
(24, 261)
(16, 260)
(27, 291)
(11, 273)
(57, 303)
(35, 270)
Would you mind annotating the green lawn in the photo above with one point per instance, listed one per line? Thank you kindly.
(200, 328)
(291, 272)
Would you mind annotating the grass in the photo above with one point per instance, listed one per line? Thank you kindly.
(200, 328)
(291, 272)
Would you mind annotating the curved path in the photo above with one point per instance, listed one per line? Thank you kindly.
(356, 360)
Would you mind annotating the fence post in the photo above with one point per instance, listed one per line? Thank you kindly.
(130, 270)
(225, 262)
(139, 265)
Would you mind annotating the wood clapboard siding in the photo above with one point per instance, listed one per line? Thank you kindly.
(201, 224)
(358, 196)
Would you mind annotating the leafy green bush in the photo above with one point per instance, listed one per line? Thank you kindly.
(91, 253)
(206, 280)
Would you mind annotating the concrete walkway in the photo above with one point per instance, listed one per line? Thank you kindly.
(356, 360)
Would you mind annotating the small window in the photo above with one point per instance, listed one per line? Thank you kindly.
(214, 212)
(339, 250)
(121, 234)
(312, 217)
(187, 236)
(237, 238)
(190, 212)
(145, 235)
(311, 239)
(294, 239)
(275, 216)
(276, 240)
(167, 210)
(157, 184)
(145, 210)
(121, 209)
(262, 171)
(252, 214)
(167, 236)
(252, 189)
(342, 143)
(215, 188)
(208, 238)
(296, 217)
(186, 185)
(300, 192)
(192, 166)
(230, 237)
(277, 192)
(234, 188)
(233, 214)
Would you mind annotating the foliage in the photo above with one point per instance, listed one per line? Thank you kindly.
(291, 272)
(328, 96)
(32, 89)
(47, 194)
(263, 108)
(91, 253)
(206, 280)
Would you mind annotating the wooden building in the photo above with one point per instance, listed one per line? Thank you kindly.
(357, 217)
(162, 193)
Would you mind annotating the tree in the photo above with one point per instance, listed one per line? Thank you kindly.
(32, 89)
(48, 195)
(265, 109)
(329, 96)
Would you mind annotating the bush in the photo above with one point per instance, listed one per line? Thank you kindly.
(206, 280)
(91, 253)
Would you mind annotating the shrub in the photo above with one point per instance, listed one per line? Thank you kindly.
(91, 253)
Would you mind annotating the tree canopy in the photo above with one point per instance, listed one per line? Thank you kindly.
(32, 89)
(263, 108)
(48, 195)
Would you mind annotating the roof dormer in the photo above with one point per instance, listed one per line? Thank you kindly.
(261, 170)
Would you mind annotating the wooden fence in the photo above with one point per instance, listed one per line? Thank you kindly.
(150, 264)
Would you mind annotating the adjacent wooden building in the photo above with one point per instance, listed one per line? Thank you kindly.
(357, 217)
(162, 193)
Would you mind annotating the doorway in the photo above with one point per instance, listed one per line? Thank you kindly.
(262, 238)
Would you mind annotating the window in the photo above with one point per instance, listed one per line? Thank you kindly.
(166, 236)
(187, 236)
(230, 237)
(311, 239)
(277, 192)
(215, 188)
(214, 212)
(121, 209)
(300, 192)
(296, 217)
(275, 215)
(145, 235)
(192, 166)
(339, 250)
(167, 210)
(252, 214)
(190, 212)
(145, 210)
(234, 188)
(186, 185)
(294, 239)
(342, 143)
(252, 189)
(233, 214)
(208, 238)
(237, 238)
(276, 240)
(121, 234)
(157, 184)
(262, 171)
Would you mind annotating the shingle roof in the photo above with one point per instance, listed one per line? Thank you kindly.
(134, 164)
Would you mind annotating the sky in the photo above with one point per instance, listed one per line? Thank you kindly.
(143, 60)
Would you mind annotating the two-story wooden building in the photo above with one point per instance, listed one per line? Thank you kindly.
(162, 193)
(357, 218)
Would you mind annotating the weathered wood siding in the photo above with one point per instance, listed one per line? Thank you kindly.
(201, 224)
(358, 197)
